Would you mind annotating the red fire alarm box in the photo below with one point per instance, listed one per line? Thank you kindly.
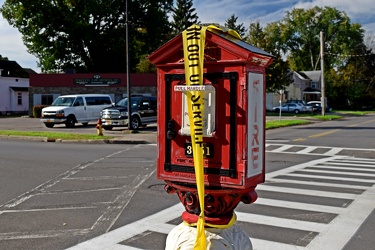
(234, 113)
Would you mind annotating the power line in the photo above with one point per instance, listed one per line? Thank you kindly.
(346, 55)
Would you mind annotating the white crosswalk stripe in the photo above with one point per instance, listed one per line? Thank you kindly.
(330, 235)
(333, 151)
(301, 191)
(280, 222)
(307, 150)
(282, 148)
(299, 205)
(310, 150)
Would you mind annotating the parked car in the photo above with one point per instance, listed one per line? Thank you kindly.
(310, 108)
(143, 111)
(318, 105)
(290, 107)
(70, 109)
(296, 101)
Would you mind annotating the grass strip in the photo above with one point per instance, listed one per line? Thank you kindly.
(350, 112)
(51, 135)
(285, 123)
(327, 117)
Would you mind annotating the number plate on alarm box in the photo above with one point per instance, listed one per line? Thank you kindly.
(208, 150)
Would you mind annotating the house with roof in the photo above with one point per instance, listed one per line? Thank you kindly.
(14, 88)
(306, 86)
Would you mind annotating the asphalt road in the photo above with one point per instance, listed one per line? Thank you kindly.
(347, 133)
(55, 195)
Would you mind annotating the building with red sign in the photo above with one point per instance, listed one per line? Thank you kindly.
(44, 88)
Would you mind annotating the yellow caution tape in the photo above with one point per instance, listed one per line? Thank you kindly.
(224, 29)
(230, 223)
(193, 44)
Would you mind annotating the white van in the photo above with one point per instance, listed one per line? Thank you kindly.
(72, 109)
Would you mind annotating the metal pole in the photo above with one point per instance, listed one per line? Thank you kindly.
(323, 100)
(127, 66)
(281, 97)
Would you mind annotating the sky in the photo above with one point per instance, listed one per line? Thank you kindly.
(264, 11)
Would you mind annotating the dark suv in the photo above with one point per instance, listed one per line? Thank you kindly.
(143, 111)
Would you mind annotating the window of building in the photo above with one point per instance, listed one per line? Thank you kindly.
(47, 99)
(286, 93)
(19, 98)
(315, 85)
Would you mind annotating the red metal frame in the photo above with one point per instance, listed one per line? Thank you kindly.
(227, 175)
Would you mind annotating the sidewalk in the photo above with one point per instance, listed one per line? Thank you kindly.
(136, 138)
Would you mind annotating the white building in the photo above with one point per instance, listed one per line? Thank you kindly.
(14, 88)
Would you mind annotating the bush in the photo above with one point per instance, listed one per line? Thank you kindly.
(37, 110)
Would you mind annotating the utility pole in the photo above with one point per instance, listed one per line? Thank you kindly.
(281, 92)
(127, 65)
(323, 98)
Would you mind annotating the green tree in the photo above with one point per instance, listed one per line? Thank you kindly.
(145, 66)
(231, 23)
(370, 79)
(296, 37)
(278, 73)
(184, 15)
(152, 24)
(300, 33)
(87, 35)
(352, 85)
(155, 32)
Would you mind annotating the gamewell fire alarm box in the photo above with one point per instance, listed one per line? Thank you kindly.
(233, 119)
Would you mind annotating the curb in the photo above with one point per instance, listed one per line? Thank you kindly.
(116, 141)
(104, 141)
(27, 138)
(46, 139)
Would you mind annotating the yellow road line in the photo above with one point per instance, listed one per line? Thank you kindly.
(331, 131)
(353, 125)
(324, 133)
(300, 139)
